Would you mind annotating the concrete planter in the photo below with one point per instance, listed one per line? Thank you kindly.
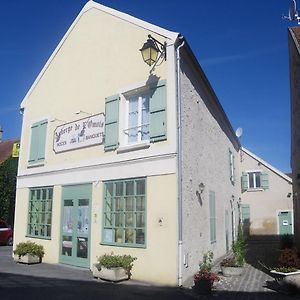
(232, 271)
(113, 274)
(27, 259)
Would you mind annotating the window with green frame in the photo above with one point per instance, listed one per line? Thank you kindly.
(124, 212)
(40, 212)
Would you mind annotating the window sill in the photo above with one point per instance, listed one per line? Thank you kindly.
(133, 147)
(255, 190)
(35, 165)
(124, 245)
(38, 237)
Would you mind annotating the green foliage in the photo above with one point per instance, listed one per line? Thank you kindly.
(207, 260)
(112, 261)
(286, 269)
(8, 173)
(29, 248)
(239, 250)
(289, 258)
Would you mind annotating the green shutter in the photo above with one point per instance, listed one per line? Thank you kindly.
(264, 181)
(158, 118)
(38, 142)
(244, 182)
(245, 210)
(34, 143)
(212, 216)
(42, 132)
(111, 122)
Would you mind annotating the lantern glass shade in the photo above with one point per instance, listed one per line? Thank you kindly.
(149, 52)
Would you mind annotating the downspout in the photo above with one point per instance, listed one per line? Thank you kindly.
(179, 165)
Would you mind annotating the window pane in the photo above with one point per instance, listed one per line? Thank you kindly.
(119, 204)
(119, 235)
(130, 204)
(140, 220)
(108, 219)
(129, 236)
(140, 236)
(145, 118)
(109, 189)
(257, 180)
(129, 186)
(129, 220)
(118, 219)
(251, 180)
(140, 187)
(119, 189)
(140, 203)
(133, 117)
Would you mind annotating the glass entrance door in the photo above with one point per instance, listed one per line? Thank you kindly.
(75, 225)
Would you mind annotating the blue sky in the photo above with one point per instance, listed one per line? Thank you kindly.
(241, 46)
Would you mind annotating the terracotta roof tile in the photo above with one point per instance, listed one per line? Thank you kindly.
(6, 149)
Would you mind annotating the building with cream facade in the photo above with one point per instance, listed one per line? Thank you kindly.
(117, 156)
(267, 201)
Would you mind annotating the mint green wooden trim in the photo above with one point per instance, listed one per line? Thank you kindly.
(75, 193)
(123, 212)
(264, 181)
(157, 110)
(245, 210)
(285, 229)
(45, 212)
(212, 217)
(111, 122)
(244, 182)
(38, 142)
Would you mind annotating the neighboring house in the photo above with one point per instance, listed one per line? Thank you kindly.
(117, 156)
(267, 202)
(294, 54)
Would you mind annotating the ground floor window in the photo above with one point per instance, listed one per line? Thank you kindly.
(124, 212)
(40, 212)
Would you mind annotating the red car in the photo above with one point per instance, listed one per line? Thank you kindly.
(6, 234)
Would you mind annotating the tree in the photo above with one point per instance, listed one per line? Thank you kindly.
(8, 173)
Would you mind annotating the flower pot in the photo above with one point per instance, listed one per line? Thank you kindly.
(112, 274)
(27, 259)
(232, 271)
(203, 287)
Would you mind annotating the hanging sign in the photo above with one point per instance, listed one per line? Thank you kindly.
(81, 133)
(15, 150)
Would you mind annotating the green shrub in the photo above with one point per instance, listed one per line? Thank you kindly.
(113, 261)
(29, 248)
(239, 250)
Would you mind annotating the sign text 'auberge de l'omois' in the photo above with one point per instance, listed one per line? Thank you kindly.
(81, 133)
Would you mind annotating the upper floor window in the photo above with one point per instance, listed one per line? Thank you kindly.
(138, 118)
(255, 180)
(135, 117)
(38, 142)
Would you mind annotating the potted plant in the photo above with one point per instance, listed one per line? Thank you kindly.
(234, 264)
(113, 267)
(29, 253)
(204, 278)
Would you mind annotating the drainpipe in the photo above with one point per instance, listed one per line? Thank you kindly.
(179, 165)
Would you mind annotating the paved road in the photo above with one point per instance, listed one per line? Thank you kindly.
(44, 281)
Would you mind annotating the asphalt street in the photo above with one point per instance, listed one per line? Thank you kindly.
(54, 281)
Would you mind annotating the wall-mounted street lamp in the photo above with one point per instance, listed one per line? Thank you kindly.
(151, 49)
(201, 187)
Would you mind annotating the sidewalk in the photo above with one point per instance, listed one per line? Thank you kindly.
(53, 281)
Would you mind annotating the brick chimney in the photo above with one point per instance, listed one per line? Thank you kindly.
(1, 133)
